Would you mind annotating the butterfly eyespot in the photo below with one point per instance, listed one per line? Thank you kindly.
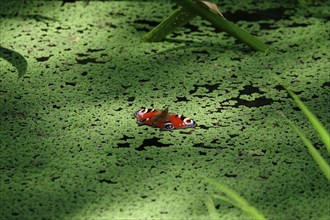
(189, 122)
(168, 126)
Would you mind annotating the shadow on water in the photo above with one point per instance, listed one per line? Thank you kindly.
(35, 17)
(16, 59)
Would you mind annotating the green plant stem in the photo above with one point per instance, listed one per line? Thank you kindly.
(221, 23)
(179, 18)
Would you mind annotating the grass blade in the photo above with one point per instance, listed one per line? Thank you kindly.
(179, 18)
(311, 117)
(235, 199)
(324, 166)
(196, 7)
(211, 208)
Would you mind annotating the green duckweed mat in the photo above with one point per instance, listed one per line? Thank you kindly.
(73, 74)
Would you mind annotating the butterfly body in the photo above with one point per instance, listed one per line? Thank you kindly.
(163, 119)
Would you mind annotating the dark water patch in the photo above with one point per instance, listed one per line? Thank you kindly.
(125, 87)
(108, 181)
(202, 145)
(62, 28)
(43, 59)
(131, 99)
(146, 22)
(258, 102)
(82, 54)
(250, 89)
(70, 83)
(202, 153)
(201, 52)
(88, 60)
(209, 87)
(233, 135)
(257, 15)
(236, 59)
(94, 50)
(143, 80)
(326, 84)
(55, 178)
(56, 106)
(203, 96)
(293, 25)
(145, 25)
(86, 2)
(191, 27)
(203, 127)
(230, 175)
(116, 14)
(123, 145)
(267, 25)
(125, 138)
(279, 88)
(67, 1)
(265, 175)
(181, 99)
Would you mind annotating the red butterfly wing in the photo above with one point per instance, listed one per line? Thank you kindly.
(176, 121)
(145, 116)
(162, 119)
